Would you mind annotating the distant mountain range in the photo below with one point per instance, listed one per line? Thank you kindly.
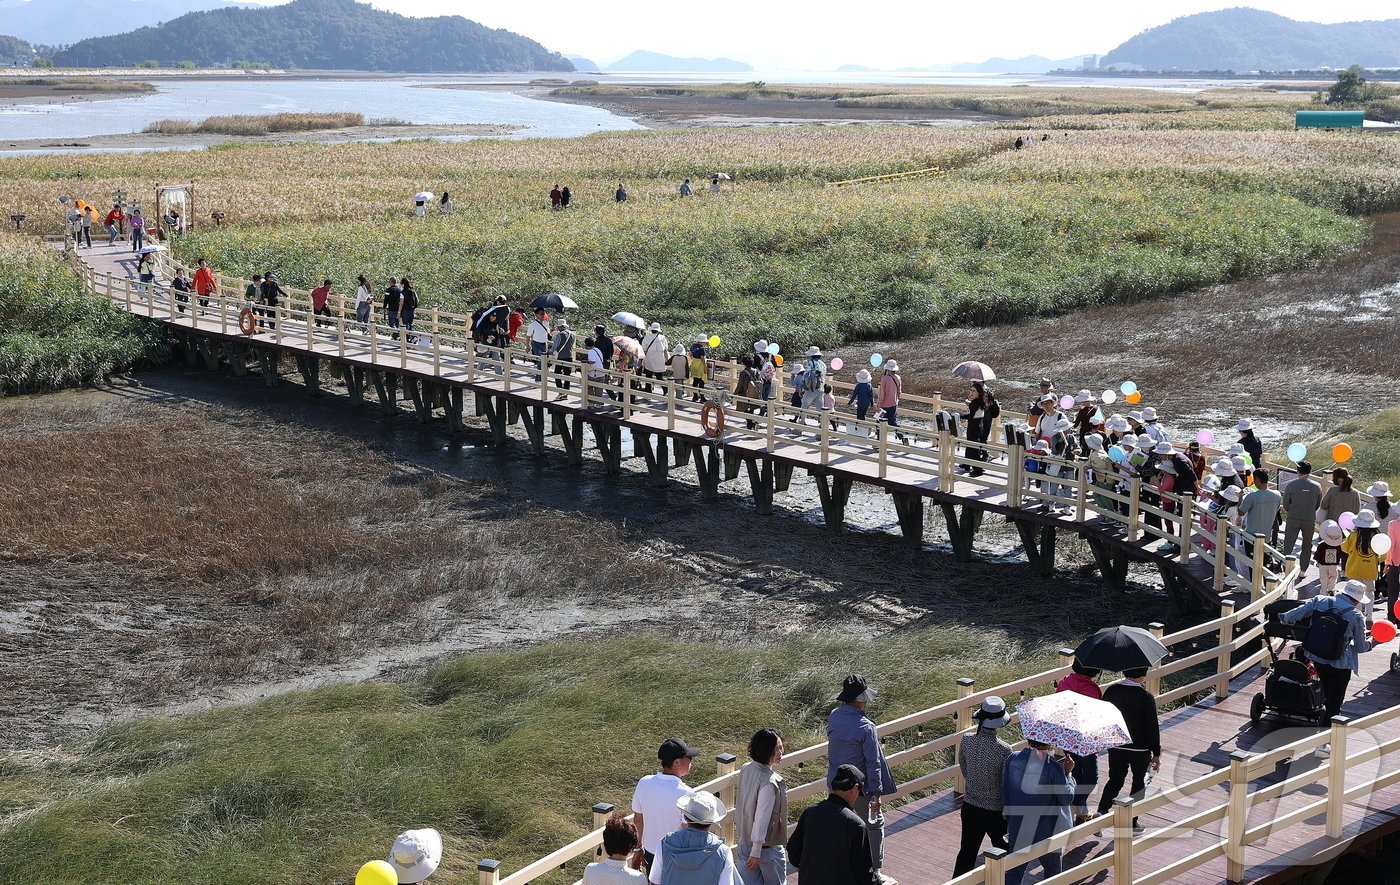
(1030, 64)
(61, 22)
(1243, 39)
(584, 64)
(320, 34)
(14, 51)
(641, 60)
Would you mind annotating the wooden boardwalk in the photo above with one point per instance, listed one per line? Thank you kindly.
(1235, 801)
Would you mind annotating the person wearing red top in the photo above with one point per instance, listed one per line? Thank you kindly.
(319, 295)
(517, 319)
(113, 223)
(1086, 768)
(204, 283)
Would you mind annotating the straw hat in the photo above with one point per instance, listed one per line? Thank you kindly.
(416, 854)
(1331, 532)
(1379, 489)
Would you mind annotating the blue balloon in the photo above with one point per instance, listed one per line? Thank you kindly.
(1116, 454)
(1127, 387)
(773, 348)
(876, 359)
(1297, 452)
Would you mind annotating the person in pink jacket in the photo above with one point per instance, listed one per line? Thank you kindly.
(891, 385)
(1086, 768)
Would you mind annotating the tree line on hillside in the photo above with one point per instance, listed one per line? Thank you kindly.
(320, 34)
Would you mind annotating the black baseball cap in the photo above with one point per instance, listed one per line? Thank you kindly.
(674, 749)
(847, 776)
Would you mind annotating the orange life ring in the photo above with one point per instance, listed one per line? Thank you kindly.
(246, 321)
(710, 410)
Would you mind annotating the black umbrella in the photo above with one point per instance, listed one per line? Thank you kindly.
(1120, 648)
(554, 301)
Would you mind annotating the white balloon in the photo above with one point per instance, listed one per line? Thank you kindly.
(1380, 545)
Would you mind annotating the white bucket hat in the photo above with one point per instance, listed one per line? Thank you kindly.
(1117, 423)
(993, 712)
(1059, 425)
(1244, 425)
(813, 351)
(1239, 463)
(891, 365)
(701, 339)
(1231, 494)
(1366, 519)
(1356, 590)
(1235, 449)
(760, 346)
(1041, 446)
(1145, 441)
(1163, 448)
(1046, 398)
(1083, 396)
(1379, 489)
(1331, 532)
(1167, 466)
(654, 327)
(1135, 416)
(1224, 467)
(1094, 441)
(1149, 414)
(702, 807)
(416, 854)
(863, 376)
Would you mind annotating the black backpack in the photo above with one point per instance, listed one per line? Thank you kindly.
(1327, 634)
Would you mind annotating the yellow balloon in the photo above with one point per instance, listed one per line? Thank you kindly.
(376, 872)
(714, 341)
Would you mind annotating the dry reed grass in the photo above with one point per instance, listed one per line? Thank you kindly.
(257, 124)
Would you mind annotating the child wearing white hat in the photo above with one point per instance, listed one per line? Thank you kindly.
(1328, 555)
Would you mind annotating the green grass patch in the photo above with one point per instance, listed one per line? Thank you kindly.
(1372, 439)
(502, 752)
(52, 333)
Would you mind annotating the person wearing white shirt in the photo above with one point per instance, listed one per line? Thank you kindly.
(654, 806)
(656, 352)
(364, 302)
(597, 371)
(761, 813)
(619, 841)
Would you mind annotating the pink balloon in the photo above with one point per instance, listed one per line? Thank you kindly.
(1066, 402)
(1347, 520)
(1205, 437)
(837, 363)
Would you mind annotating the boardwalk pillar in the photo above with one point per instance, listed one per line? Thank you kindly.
(236, 355)
(1337, 777)
(1039, 543)
(454, 410)
(782, 477)
(1112, 562)
(963, 523)
(495, 419)
(835, 493)
(208, 351)
(267, 361)
(761, 481)
(188, 348)
(652, 448)
(609, 439)
(533, 419)
(355, 385)
(707, 469)
(571, 435)
(419, 392)
(557, 423)
(731, 464)
(1237, 817)
(310, 369)
(995, 859)
(681, 449)
(909, 507)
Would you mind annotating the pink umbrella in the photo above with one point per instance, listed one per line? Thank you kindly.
(1073, 722)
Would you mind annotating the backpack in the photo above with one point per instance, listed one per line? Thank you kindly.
(993, 410)
(812, 379)
(1327, 634)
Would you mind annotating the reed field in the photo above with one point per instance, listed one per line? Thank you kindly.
(52, 334)
(257, 124)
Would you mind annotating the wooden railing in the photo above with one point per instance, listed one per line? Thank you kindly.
(444, 348)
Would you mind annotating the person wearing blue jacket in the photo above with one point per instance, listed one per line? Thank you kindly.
(853, 740)
(1335, 673)
(862, 395)
(1036, 796)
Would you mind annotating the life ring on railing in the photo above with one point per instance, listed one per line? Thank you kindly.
(246, 322)
(711, 410)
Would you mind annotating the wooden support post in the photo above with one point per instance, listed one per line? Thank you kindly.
(355, 385)
(707, 469)
(1123, 846)
(731, 464)
(1177, 589)
(512, 412)
(1256, 572)
(479, 405)
(909, 508)
(454, 410)
(310, 368)
(489, 872)
(1337, 777)
(377, 378)
(835, 493)
(1222, 659)
(496, 420)
(961, 529)
(727, 763)
(1135, 509)
(601, 812)
(652, 448)
(1154, 682)
(417, 392)
(962, 719)
(609, 439)
(761, 482)
(993, 858)
(571, 435)
(237, 357)
(782, 477)
(681, 450)
(533, 419)
(209, 353)
(1184, 527)
(1237, 817)
(268, 360)
(188, 348)
(1066, 656)
(1112, 562)
(1222, 543)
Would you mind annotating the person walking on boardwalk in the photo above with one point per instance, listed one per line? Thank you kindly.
(252, 294)
(408, 308)
(656, 349)
(320, 298)
(364, 302)
(853, 740)
(83, 233)
(698, 369)
(813, 378)
(204, 283)
(619, 841)
(1362, 562)
(1345, 638)
(982, 413)
(1036, 408)
(137, 224)
(1086, 768)
(1341, 497)
(272, 293)
(1301, 499)
(654, 808)
(887, 401)
(1036, 797)
(862, 395)
(1259, 509)
(761, 813)
(181, 284)
(831, 843)
(692, 855)
(113, 223)
(1144, 750)
(982, 759)
(1250, 442)
(562, 349)
(393, 301)
(747, 386)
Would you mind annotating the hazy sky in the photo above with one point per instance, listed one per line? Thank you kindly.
(878, 33)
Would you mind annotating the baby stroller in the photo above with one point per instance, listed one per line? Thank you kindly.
(1291, 690)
